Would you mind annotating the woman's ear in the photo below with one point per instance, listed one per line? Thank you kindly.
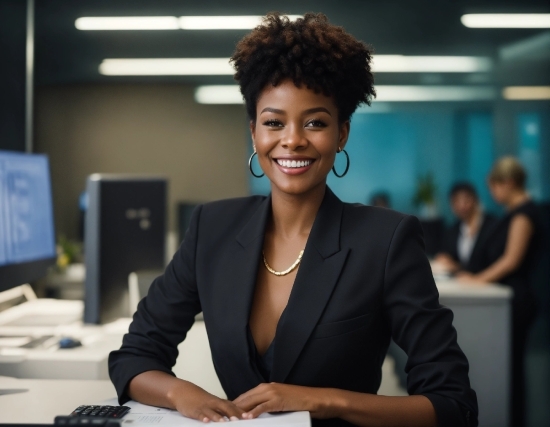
(343, 134)
(252, 127)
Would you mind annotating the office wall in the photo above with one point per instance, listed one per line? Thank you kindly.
(147, 128)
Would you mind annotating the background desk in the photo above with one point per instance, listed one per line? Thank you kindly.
(482, 320)
(39, 401)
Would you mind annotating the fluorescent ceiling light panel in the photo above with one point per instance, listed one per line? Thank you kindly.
(127, 23)
(223, 22)
(96, 23)
(221, 66)
(433, 93)
(526, 93)
(506, 20)
(430, 64)
(166, 67)
(230, 94)
(219, 94)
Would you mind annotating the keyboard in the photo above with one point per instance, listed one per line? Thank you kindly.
(103, 411)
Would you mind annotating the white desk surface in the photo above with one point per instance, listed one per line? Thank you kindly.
(449, 287)
(39, 401)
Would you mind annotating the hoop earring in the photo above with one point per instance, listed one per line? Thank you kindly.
(347, 165)
(250, 166)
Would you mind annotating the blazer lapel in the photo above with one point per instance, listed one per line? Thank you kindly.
(244, 261)
(318, 273)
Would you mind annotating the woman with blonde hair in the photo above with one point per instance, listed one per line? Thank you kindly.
(511, 258)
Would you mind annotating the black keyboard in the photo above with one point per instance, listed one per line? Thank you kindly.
(103, 411)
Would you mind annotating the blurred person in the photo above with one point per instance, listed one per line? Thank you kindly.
(464, 242)
(381, 200)
(300, 334)
(515, 244)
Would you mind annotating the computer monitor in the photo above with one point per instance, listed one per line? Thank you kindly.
(27, 236)
(125, 231)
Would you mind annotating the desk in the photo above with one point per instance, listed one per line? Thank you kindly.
(482, 320)
(39, 401)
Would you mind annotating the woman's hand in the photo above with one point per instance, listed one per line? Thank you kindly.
(194, 402)
(157, 388)
(467, 277)
(275, 397)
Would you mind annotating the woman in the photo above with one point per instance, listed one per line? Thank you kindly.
(511, 258)
(300, 292)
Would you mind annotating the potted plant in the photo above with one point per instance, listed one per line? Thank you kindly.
(424, 197)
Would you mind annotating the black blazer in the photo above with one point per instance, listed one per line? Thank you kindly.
(479, 258)
(363, 278)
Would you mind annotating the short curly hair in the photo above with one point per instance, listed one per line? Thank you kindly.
(308, 51)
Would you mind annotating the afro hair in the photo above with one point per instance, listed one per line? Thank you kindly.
(309, 51)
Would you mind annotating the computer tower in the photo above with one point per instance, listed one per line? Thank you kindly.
(125, 229)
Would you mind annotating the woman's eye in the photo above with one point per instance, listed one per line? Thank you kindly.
(273, 123)
(316, 124)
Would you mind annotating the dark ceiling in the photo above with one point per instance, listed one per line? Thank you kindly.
(411, 27)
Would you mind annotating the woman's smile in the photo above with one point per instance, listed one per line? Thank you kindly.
(294, 165)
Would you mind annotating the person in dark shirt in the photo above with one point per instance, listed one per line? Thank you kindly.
(464, 243)
(512, 255)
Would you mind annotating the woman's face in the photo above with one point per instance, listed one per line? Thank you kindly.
(500, 190)
(296, 136)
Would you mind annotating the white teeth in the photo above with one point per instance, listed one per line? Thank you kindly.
(294, 163)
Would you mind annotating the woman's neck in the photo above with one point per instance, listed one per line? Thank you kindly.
(516, 199)
(293, 215)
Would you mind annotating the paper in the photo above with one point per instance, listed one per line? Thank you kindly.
(144, 415)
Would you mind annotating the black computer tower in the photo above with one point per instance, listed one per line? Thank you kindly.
(125, 229)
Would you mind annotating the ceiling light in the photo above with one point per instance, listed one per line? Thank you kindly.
(166, 67)
(219, 94)
(423, 64)
(230, 94)
(127, 23)
(434, 93)
(223, 22)
(526, 93)
(506, 20)
(171, 22)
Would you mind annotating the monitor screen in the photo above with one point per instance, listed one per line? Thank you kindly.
(27, 237)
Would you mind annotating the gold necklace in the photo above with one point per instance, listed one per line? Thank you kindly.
(288, 270)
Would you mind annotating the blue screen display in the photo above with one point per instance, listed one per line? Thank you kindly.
(26, 211)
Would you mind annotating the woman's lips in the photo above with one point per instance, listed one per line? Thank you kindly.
(294, 166)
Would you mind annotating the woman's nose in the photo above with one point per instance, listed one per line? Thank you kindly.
(293, 138)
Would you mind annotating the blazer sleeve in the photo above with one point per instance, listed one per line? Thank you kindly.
(436, 367)
(162, 319)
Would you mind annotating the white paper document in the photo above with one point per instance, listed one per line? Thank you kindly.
(144, 415)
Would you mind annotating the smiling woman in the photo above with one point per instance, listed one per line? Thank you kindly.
(300, 292)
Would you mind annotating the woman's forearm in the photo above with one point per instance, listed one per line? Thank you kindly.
(157, 388)
(495, 272)
(380, 411)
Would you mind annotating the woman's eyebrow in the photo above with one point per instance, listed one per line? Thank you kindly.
(309, 111)
(272, 110)
(317, 110)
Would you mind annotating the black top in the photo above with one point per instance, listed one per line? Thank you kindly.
(264, 362)
(519, 279)
(363, 278)
(478, 258)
